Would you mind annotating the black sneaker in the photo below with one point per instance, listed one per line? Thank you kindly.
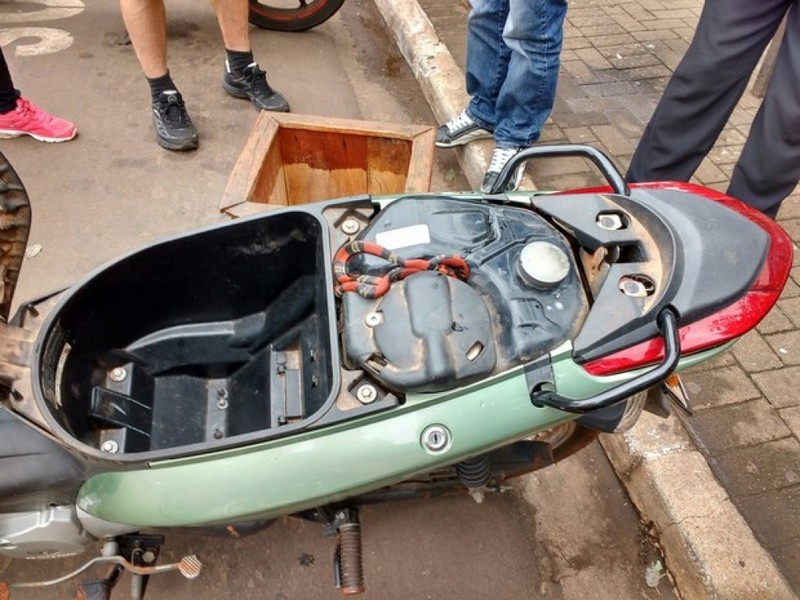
(252, 84)
(500, 158)
(174, 129)
(460, 130)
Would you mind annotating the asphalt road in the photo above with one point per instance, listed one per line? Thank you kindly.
(568, 532)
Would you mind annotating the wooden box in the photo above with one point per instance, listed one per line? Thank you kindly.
(294, 159)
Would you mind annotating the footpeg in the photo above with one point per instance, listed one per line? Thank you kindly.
(348, 561)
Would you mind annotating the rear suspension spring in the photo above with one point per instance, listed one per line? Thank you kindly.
(474, 472)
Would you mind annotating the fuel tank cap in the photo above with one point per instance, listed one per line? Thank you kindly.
(543, 265)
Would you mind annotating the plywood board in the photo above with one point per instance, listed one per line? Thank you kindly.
(295, 159)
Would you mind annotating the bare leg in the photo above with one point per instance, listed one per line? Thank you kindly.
(232, 17)
(146, 21)
(243, 78)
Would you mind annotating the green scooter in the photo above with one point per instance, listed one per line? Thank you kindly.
(312, 359)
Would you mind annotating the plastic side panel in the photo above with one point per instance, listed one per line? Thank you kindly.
(286, 476)
(34, 471)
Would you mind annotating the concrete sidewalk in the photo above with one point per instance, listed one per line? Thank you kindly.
(722, 487)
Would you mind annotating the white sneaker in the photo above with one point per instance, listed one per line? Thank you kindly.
(460, 130)
(500, 158)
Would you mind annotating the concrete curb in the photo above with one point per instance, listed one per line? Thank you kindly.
(440, 78)
(709, 548)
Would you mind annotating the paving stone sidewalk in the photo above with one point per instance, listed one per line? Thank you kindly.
(616, 61)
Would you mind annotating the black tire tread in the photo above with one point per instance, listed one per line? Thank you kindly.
(261, 16)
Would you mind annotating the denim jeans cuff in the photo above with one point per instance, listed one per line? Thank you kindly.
(483, 124)
(507, 145)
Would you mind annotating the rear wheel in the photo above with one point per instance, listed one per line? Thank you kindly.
(292, 15)
(566, 439)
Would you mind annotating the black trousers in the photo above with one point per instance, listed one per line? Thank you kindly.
(702, 93)
(8, 95)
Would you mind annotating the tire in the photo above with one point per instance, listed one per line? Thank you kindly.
(299, 16)
(566, 439)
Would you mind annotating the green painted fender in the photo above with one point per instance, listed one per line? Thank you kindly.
(333, 463)
(312, 469)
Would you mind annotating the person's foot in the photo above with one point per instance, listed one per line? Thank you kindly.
(500, 158)
(174, 129)
(460, 130)
(29, 119)
(252, 84)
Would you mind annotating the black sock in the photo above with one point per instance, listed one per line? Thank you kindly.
(8, 94)
(8, 100)
(238, 61)
(158, 85)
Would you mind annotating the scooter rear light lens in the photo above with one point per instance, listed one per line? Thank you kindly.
(732, 321)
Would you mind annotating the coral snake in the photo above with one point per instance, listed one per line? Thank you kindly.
(375, 286)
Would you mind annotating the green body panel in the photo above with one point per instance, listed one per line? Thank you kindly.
(332, 463)
(315, 468)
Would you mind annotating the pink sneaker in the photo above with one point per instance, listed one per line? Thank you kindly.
(29, 119)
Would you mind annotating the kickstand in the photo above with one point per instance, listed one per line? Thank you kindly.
(142, 551)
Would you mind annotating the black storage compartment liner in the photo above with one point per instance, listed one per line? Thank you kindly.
(36, 472)
(221, 333)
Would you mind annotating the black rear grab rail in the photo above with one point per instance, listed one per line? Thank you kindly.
(668, 326)
(600, 160)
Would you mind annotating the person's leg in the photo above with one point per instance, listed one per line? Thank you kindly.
(730, 39)
(768, 169)
(146, 22)
(243, 78)
(233, 24)
(533, 33)
(487, 59)
(8, 93)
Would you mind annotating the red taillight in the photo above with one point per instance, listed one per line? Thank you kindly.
(732, 321)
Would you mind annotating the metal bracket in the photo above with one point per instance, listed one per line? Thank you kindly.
(668, 325)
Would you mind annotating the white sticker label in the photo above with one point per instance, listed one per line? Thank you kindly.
(404, 237)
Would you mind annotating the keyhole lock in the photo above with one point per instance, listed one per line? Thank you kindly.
(435, 438)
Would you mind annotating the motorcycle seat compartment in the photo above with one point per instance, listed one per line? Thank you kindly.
(195, 325)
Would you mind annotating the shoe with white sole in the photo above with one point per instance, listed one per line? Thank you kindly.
(460, 130)
(500, 158)
(29, 119)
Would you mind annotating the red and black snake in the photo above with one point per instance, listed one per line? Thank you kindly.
(375, 286)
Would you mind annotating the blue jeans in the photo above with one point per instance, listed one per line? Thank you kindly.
(513, 56)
